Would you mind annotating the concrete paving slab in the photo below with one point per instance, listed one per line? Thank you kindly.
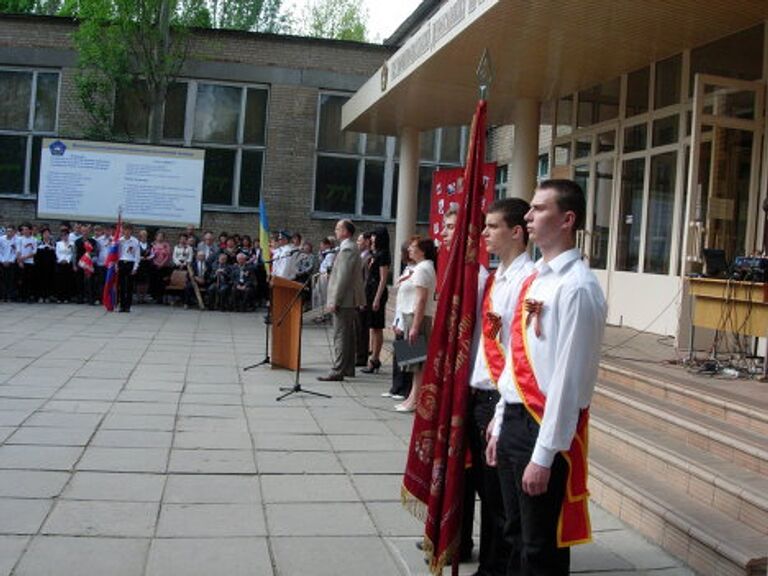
(13, 417)
(373, 462)
(21, 404)
(319, 519)
(378, 487)
(212, 462)
(51, 436)
(21, 516)
(223, 439)
(308, 488)
(211, 520)
(298, 463)
(31, 483)
(124, 459)
(97, 518)
(39, 457)
(596, 558)
(145, 408)
(11, 548)
(70, 556)
(211, 489)
(355, 427)
(294, 426)
(210, 411)
(212, 399)
(298, 556)
(64, 420)
(354, 443)
(132, 439)
(207, 556)
(125, 487)
(78, 406)
(12, 391)
(392, 520)
(264, 441)
(163, 422)
(210, 388)
(5, 432)
(149, 396)
(636, 550)
(142, 383)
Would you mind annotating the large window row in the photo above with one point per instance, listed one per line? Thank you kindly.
(357, 174)
(625, 142)
(228, 121)
(29, 111)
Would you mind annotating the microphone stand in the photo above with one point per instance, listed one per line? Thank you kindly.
(296, 388)
(267, 359)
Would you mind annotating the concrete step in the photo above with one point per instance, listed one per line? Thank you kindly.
(739, 493)
(708, 540)
(728, 441)
(698, 397)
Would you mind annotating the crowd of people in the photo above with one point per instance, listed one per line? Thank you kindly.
(228, 272)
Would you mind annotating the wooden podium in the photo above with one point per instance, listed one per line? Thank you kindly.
(285, 310)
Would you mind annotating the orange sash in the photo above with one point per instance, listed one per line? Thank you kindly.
(573, 526)
(493, 351)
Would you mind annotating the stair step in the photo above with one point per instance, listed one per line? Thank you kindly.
(706, 539)
(695, 396)
(741, 494)
(726, 440)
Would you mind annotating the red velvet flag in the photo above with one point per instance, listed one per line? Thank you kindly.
(433, 484)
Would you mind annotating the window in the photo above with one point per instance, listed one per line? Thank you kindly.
(630, 215)
(564, 113)
(357, 174)
(601, 214)
(661, 204)
(227, 120)
(737, 56)
(502, 177)
(638, 83)
(599, 104)
(665, 130)
(29, 111)
(635, 138)
(668, 76)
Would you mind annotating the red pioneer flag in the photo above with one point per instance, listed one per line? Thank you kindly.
(433, 484)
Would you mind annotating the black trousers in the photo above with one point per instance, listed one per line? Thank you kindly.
(125, 276)
(27, 288)
(65, 281)
(8, 280)
(494, 550)
(531, 527)
(85, 286)
(401, 381)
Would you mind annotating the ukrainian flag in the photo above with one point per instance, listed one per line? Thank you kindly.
(264, 232)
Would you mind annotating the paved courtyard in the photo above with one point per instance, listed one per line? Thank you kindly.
(134, 444)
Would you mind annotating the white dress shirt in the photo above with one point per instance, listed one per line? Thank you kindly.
(565, 357)
(504, 295)
(284, 261)
(129, 251)
(104, 243)
(9, 248)
(65, 252)
(422, 276)
(27, 249)
(182, 255)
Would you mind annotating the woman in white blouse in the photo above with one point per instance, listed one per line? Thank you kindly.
(416, 301)
(65, 267)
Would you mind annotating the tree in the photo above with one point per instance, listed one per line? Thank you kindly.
(251, 15)
(339, 19)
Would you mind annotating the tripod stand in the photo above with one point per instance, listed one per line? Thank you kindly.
(296, 388)
(267, 359)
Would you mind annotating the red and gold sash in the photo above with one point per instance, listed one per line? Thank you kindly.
(573, 525)
(493, 350)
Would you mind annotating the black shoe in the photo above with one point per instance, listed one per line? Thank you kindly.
(331, 378)
(373, 366)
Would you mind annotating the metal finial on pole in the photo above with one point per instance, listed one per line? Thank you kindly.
(485, 74)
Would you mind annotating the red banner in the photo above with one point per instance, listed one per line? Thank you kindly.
(433, 483)
(447, 190)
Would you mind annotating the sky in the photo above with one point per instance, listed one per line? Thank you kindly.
(384, 16)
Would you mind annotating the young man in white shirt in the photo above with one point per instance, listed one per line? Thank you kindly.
(127, 266)
(505, 236)
(538, 437)
(27, 248)
(9, 249)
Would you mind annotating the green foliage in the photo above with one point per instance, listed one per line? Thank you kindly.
(339, 19)
(44, 7)
(250, 15)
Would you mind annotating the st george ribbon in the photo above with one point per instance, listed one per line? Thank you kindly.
(433, 483)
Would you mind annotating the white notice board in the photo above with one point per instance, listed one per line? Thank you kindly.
(89, 181)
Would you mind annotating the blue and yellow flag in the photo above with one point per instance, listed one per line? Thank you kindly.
(264, 233)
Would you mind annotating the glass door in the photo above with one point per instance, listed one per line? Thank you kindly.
(723, 169)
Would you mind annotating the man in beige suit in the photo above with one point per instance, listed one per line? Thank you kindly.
(345, 296)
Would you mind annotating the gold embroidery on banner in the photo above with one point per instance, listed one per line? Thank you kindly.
(427, 404)
(424, 446)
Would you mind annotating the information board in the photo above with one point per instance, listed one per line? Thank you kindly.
(90, 181)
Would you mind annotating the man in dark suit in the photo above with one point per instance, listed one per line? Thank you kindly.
(220, 290)
(243, 283)
(345, 296)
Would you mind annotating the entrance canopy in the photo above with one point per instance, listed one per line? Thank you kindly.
(539, 50)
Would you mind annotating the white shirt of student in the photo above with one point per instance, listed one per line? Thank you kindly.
(565, 357)
(504, 296)
(9, 248)
(27, 249)
(104, 243)
(182, 255)
(284, 264)
(65, 252)
(129, 251)
(422, 276)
